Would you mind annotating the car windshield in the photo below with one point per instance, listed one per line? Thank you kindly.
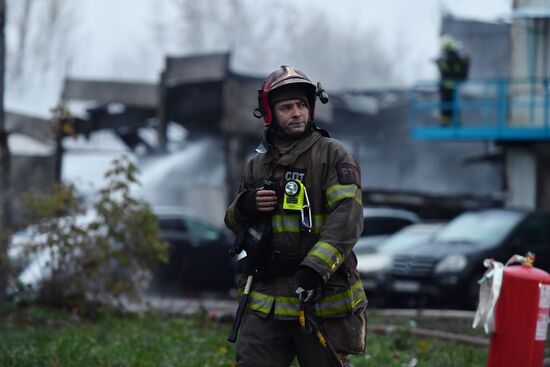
(375, 226)
(192, 226)
(483, 228)
(406, 238)
(202, 230)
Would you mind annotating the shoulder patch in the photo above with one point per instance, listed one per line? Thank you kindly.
(348, 174)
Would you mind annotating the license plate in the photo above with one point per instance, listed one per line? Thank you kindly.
(406, 286)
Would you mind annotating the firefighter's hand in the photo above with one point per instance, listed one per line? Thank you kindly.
(308, 282)
(266, 200)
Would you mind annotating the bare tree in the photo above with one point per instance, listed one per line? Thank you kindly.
(4, 166)
(34, 43)
(343, 56)
(266, 34)
(259, 32)
(39, 42)
(198, 27)
(53, 41)
(22, 24)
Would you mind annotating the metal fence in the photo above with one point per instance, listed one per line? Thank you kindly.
(484, 109)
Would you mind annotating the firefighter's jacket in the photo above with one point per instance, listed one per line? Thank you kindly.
(453, 68)
(332, 180)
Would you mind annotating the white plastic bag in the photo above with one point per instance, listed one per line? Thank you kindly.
(489, 291)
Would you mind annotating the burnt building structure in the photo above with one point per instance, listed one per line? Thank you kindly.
(203, 94)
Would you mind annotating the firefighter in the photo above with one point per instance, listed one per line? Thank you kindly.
(314, 207)
(453, 69)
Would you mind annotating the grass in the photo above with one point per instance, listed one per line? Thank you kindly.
(38, 337)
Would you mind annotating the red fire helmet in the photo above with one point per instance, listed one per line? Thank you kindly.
(285, 75)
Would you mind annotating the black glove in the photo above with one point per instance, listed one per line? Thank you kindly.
(308, 282)
(247, 204)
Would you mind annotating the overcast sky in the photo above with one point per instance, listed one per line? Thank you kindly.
(115, 38)
(407, 27)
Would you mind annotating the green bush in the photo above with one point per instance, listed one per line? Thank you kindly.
(101, 255)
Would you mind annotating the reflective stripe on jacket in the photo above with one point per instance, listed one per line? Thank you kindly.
(336, 304)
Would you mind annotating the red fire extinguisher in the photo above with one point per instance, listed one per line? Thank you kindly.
(521, 317)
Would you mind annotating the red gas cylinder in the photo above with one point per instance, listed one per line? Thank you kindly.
(521, 318)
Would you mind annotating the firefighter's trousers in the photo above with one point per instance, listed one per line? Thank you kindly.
(266, 342)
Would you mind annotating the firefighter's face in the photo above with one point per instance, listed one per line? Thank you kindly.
(292, 116)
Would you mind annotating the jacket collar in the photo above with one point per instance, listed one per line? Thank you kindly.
(286, 153)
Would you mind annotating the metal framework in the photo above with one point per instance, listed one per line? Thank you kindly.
(484, 109)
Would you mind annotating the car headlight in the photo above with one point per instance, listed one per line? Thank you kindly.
(451, 264)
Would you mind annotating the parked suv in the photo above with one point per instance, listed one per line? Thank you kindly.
(371, 265)
(445, 270)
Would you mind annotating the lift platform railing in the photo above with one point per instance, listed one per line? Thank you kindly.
(484, 109)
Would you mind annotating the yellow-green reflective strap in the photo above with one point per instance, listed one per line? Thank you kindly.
(357, 293)
(318, 222)
(287, 306)
(231, 217)
(342, 302)
(260, 302)
(328, 253)
(285, 223)
(449, 83)
(338, 192)
(289, 223)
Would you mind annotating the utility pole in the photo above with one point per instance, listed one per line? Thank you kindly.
(4, 165)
